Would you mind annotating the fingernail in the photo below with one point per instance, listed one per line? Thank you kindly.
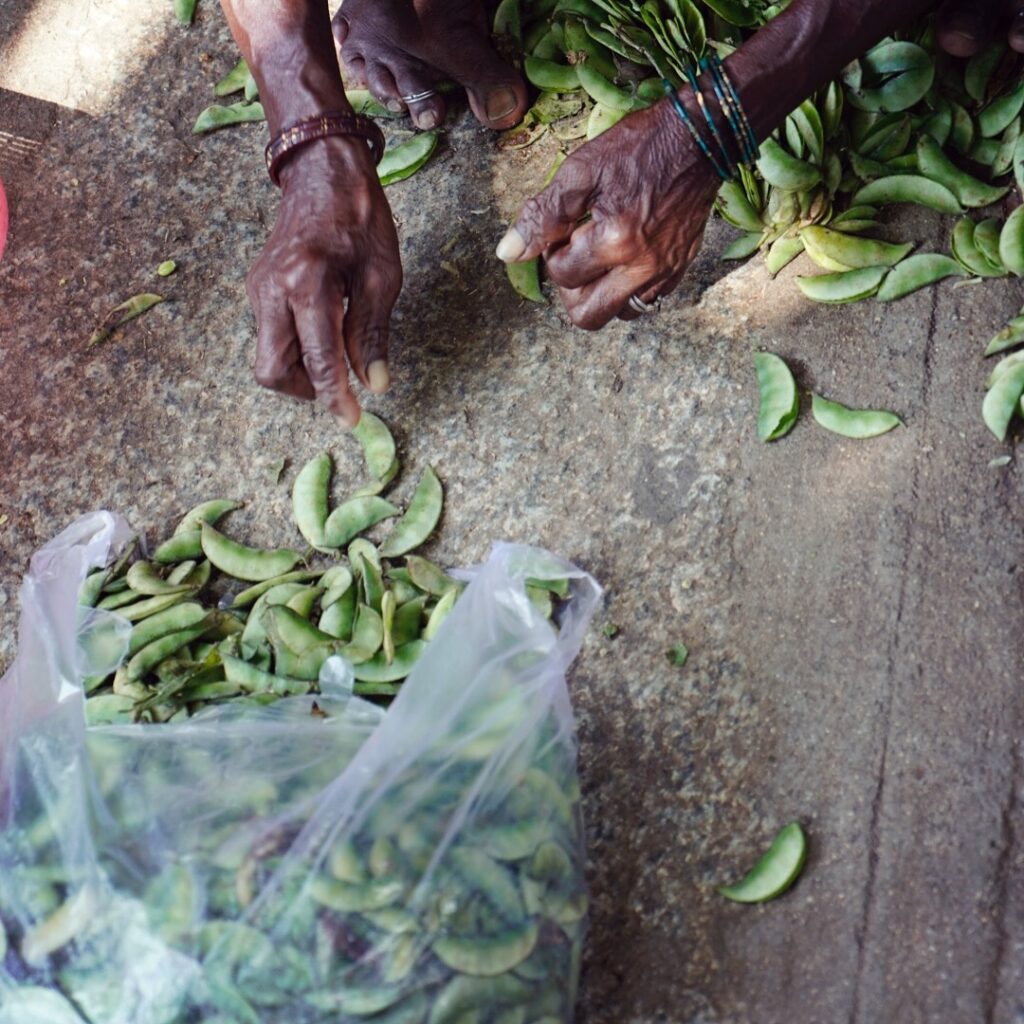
(500, 103)
(378, 376)
(511, 247)
(395, 106)
(426, 120)
(346, 421)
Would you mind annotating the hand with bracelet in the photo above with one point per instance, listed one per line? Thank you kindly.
(334, 240)
(625, 215)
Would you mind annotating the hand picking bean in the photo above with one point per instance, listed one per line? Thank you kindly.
(780, 402)
(419, 520)
(243, 562)
(775, 872)
(310, 496)
(855, 423)
(917, 272)
(525, 279)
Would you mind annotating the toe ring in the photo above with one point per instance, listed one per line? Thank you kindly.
(419, 97)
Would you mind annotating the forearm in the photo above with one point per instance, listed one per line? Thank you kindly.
(290, 50)
(807, 46)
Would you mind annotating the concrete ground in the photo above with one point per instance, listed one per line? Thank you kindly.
(853, 609)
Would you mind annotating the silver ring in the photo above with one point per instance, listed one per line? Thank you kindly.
(419, 97)
(639, 306)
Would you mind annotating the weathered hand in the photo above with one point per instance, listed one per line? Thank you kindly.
(334, 239)
(965, 26)
(648, 191)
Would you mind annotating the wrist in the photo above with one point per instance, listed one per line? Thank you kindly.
(338, 161)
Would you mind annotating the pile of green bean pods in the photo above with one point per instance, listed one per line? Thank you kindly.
(375, 605)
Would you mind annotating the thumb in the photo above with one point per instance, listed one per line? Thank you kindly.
(367, 323)
(548, 218)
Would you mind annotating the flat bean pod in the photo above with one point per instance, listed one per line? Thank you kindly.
(847, 287)
(180, 547)
(148, 657)
(170, 620)
(337, 619)
(217, 116)
(420, 518)
(245, 563)
(409, 619)
(1012, 334)
(785, 171)
(310, 496)
(441, 611)
(967, 253)
(429, 577)
(378, 446)
(546, 74)
(379, 670)
(1011, 242)
(775, 872)
(525, 279)
(854, 423)
(970, 191)
(852, 253)
(908, 188)
(487, 957)
(986, 241)
(405, 160)
(917, 272)
(143, 579)
(996, 117)
(354, 517)
(780, 402)
(1001, 401)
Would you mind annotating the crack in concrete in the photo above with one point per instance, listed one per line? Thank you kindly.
(865, 924)
(991, 990)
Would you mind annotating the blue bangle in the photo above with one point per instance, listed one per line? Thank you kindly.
(730, 102)
(677, 105)
(727, 160)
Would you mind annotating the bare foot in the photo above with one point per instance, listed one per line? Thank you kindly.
(402, 48)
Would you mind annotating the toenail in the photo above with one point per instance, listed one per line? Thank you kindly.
(395, 106)
(427, 119)
(500, 103)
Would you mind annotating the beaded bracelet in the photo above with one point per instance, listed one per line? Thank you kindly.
(729, 101)
(321, 126)
(677, 104)
(723, 150)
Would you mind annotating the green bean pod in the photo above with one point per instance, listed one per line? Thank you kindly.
(917, 272)
(908, 188)
(854, 423)
(1011, 242)
(404, 160)
(850, 286)
(379, 670)
(785, 171)
(546, 74)
(245, 563)
(420, 518)
(971, 192)
(966, 253)
(217, 116)
(310, 496)
(1002, 400)
(996, 117)
(850, 253)
(780, 401)
(601, 90)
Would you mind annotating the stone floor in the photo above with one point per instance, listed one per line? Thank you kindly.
(853, 609)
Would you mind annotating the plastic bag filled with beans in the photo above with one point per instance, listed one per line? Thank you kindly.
(316, 859)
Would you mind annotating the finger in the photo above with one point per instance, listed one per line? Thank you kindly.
(550, 217)
(367, 324)
(595, 304)
(497, 93)
(414, 80)
(381, 83)
(356, 68)
(278, 360)
(961, 28)
(653, 293)
(592, 250)
(1016, 32)
(318, 322)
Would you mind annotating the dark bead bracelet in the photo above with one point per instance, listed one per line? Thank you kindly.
(321, 126)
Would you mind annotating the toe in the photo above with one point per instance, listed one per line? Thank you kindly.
(961, 28)
(416, 80)
(496, 92)
(382, 85)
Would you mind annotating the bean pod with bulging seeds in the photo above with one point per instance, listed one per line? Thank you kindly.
(850, 286)
(917, 272)
(419, 520)
(854, 423)
(310, 497)
(246, 563)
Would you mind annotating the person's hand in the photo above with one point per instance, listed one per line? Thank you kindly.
(334, 239)
(648, 191)
(963, 27)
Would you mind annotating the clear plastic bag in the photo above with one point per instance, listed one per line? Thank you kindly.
(422, 865)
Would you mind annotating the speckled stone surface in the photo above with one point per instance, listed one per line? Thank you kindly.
(853, 609)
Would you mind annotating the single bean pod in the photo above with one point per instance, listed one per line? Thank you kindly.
(245, 563)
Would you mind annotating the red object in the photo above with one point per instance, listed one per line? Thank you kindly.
(3, 219)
